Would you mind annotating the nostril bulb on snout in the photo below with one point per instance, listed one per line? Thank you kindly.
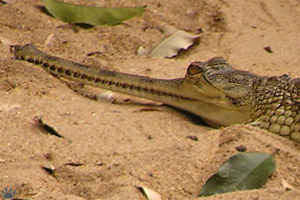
(216, 61)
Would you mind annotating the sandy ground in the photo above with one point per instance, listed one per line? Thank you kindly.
(108, 150)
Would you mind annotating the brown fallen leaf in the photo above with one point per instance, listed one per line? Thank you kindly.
(49, 39)
(268, 49)
(174, 41)
(73, 164)
(150, 194)
(286, 185)
(48, 167)
(107, 96)
(192, 137)
(49, 129)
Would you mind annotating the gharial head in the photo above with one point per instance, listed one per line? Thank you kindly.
(221, 94)
(215, 78)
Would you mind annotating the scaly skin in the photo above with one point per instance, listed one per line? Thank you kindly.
(213, 90)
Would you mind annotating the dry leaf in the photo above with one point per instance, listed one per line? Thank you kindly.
(107, 96)
(74, 164)
(150, 194)
(286, 185)
(48, 167)
(49, 39)
(49, 129)
(169, 46)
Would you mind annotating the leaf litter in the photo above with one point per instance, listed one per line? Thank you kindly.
(174, 41)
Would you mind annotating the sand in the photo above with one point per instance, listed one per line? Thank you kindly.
(110, 149)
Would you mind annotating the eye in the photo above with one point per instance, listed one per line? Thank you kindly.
(195, 68)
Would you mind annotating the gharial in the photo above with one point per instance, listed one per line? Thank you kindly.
(213, 90)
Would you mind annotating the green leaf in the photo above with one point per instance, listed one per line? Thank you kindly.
(72, 13)
(243, 171)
